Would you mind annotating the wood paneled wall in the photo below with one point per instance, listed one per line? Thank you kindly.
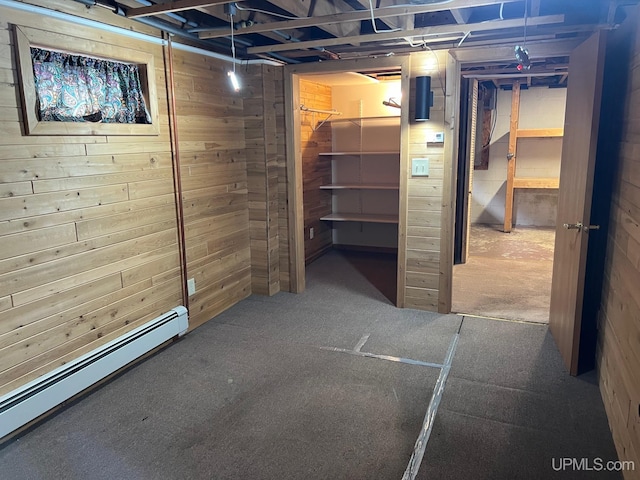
(316, 170)
(425, 194)
(281, 159)
(88, 236)
(263, 120)
(214, 183)
(619, 323)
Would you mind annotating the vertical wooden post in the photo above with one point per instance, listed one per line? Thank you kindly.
(511, 156)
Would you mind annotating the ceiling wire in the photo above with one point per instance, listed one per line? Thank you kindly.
(233, 44)
(526, 8)
(373, 21)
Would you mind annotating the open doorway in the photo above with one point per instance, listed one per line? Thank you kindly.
(350, 159)
(509, 165)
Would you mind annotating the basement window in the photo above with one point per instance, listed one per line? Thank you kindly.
(85, 91)
(75, 88)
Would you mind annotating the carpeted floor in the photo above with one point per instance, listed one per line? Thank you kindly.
(507, 275)
(286, 387)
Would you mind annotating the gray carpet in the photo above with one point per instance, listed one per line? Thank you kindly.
(510, 408)
(252, 395)
(255, 394)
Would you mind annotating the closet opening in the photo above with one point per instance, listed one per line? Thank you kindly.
(350, 149)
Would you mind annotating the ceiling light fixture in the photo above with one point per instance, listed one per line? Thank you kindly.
(232, 74)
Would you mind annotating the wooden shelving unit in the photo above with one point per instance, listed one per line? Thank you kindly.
(516, 133)
(365, 165)
(361, 217)
(359, 119)
(356, 154)
(360, 186)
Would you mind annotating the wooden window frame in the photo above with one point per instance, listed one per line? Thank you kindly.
(26, 37)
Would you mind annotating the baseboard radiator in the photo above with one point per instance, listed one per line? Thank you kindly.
(19, 407)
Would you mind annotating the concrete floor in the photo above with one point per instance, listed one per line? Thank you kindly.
(507, 275)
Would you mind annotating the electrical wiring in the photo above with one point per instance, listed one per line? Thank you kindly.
(373, 21)
(424, 45)
(494, 117)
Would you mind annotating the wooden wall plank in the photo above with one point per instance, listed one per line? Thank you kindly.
(21, 243)
(66, 167)
(42, 221)
(50, 310)
(5, 303)
(618, 353)
(260, 129)
(16, 189)
(28, 206)
(316, 170)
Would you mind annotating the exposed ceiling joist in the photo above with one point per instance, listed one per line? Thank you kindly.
(543, 49)
(418, 32)
(354, 16)
(172, 7)
(461, 15)
(535, 8)
(491, 76)
(316, 30)
(316, 9)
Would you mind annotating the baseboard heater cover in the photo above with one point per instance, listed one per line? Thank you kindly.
(19, 407)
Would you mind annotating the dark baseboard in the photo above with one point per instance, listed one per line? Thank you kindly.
(315, 255)
(366, 249)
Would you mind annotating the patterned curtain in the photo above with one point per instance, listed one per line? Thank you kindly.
(73, 88)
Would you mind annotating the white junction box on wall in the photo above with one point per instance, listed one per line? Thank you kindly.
(435, 137)
(420, 167)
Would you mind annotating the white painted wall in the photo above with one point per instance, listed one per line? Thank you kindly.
(366, 100)
(539, 108)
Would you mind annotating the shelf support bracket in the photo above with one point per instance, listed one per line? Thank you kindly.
(314, 111)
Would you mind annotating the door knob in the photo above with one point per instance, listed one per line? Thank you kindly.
(573, 226)
(581, 227)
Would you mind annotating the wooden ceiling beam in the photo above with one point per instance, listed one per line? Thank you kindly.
(535, 8)
(170, 7)
(353, 16)
(312, 9)
(461, 15)
(418, 32)
(498, 53)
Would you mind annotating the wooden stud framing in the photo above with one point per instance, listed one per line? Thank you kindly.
(511, 156)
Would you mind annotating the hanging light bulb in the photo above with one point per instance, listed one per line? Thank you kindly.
(235, 83)
(234, 79)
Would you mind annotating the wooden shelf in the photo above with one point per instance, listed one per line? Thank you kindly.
(361, 217)
(354, 154)
(357, 119)
(536, 182)
(539, 132)
(360, 186)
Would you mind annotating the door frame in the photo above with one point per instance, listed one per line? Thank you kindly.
(479, 55)
(295, 201)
